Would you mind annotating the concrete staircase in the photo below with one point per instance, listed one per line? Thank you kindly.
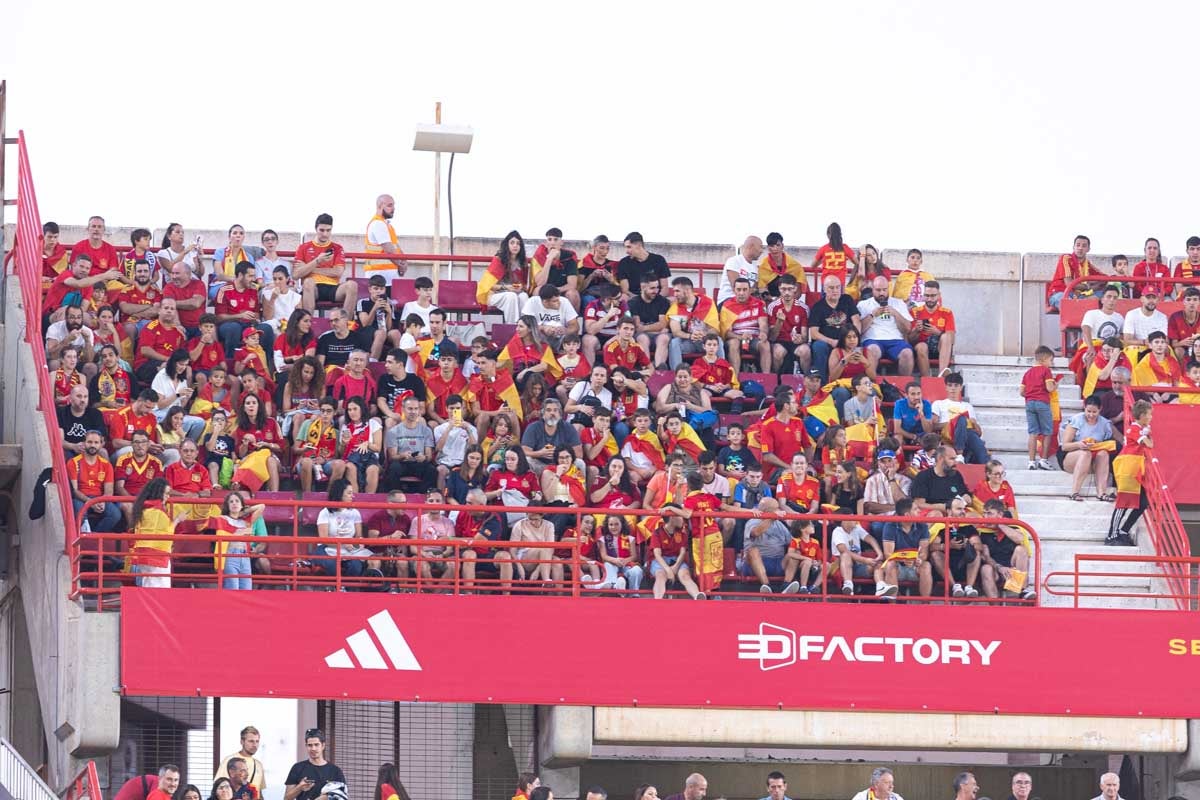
(1064, 527)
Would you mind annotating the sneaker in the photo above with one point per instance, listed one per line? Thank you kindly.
(1045, 464)
(792, 588)
(957, 591)
(764, 589)
(1034, 465)
(847, 588)
(701, 596)
(805, 590)
(1125, 540)
(886, 590)
(1111, 541)
(945, 371)
(1028, 594)
(971, 591)
(620, 583)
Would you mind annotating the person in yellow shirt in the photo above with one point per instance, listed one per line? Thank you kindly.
(256, 775)
(150, 559)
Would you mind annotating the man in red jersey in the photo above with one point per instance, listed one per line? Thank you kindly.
(1183, 327)
(932, 332)
(669, 546)
(189, 478)
(103, 255)
(447, 380)
(157, 341)
(137, 416)
(798, 490)
(1069, 267)
(787, 321)
(91, 475)
(138, 304)
(624, 351)
(1152, 266)
(189, 295)
(321, 264)
(135, 469)
(744, 326)
(784, 435)
(237, 308)
(74, 285)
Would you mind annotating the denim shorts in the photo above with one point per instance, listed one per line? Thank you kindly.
(1038, 418)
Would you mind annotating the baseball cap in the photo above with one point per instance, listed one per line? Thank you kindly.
(1150, 288)
(251, 331)
(813, 371)
(886, 454)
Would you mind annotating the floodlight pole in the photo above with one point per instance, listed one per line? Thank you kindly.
(437, 204)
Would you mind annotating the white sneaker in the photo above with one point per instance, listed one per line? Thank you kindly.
(886, 590)
(701, 596)
(1034, 465)
(791, 588)
(1046, 465)
(945, 371)
(971, 591)
(764, 589)
(957, 591)
(847, 588)
(620, 583)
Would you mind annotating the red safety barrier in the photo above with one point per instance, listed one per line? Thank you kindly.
(1162, 517)
(98, 568)
(1181, 574)
(84, 786)
(28, 268)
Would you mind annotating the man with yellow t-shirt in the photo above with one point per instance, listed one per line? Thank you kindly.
(381, 238)
(321, 264)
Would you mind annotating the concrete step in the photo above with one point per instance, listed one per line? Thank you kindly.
(1007, 396)
(1026, 481)
(964, 360)
(1128, 603)
(1060, 555)
(1003, 376)
(1092, 527)
(1062, 506)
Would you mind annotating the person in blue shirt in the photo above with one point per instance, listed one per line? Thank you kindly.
(906, 555)
(913, 415)
(776, 787)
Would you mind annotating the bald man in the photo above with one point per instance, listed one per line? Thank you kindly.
(743, 265)
(694, 788)
(1110, 787)
(885, 326)
(381, 237)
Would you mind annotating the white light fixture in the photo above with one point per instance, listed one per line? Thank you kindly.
(443, 139)
(437, 139)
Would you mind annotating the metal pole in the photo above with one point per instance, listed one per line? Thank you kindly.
(437, 205)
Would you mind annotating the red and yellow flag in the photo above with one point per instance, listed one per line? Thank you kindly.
(494, 274)
(687, 441)
(648, 445)
(516, 351)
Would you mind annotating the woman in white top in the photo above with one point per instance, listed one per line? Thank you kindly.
(173, 252)
(595, 388)
(266, 264)
(279, 299)
(340, 523)
(173, 383)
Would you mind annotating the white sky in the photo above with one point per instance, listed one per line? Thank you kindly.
(1003, 126)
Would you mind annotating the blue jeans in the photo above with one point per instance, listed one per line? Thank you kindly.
(351, 567)
(620, 430)
(677, 348)
(820, 358)
(1055, 300)
(840, 395)
(103, 522)
(968, 443)
(230, 334)
(237, 568)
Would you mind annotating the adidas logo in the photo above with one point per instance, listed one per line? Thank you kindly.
(368, 655)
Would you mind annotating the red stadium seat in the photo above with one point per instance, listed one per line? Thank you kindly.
(377, 369)
(276, 515)
(403, 290)
(730, 561)
(320, 325)
(657, 381)
(502, 332)
(458, 297)
(933, 389)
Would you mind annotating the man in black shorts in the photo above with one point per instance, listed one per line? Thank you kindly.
(321, 264)
(1004, 555)
(964, 557)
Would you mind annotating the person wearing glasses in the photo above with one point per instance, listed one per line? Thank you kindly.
(1022, 786)
(305, 779)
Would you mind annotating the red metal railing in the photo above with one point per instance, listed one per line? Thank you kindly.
(1162, 517)
(1181, 574)
(1106, 279)
(93, 577)
(84, 786)
(28, 268)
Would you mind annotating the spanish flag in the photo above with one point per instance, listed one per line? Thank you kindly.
(821, 411)
(223, 527)
(251, 472)
(1149, 372)
(502, 387)
(648, 445)
(1128, 470)
(421, 357)
(704, 311)
(769, 271)
(1076, 365)
(1185, 398)
(862, 438)
(908, 554)
(754, 430)
(687, 441)
(1094, 369)
(573, 480)
(516, 352)
(495, 273)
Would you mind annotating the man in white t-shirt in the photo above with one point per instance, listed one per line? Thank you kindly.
(1145, 320)
(452, 438)
(70, 332)
(743, 265)
(885, 325)
(1101, 323)
(555, 319)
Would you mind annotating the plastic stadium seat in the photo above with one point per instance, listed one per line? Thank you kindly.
(363, 288)
(502, 332)
(933, 389)
(320, 325)
(730, 561)
(972, 474)
(403, 290)
(657, 381)
(377, 369)
(276, 515)
(457, 297)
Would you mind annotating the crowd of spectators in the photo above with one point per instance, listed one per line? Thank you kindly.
(620, 387)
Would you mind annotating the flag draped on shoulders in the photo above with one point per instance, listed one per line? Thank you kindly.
(705, 310)
(494, 274)
(648, 445)
(515, 352)
(1152, 372)
(687, 441)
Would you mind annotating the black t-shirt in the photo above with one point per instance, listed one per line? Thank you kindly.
(832, 322)
(652, 269)
(389, 388)
(75, 428)
(648, 313)
(568, 265)
(933, 488)
(320, 776)
(381, 320)
(336, 351)
(741, 459)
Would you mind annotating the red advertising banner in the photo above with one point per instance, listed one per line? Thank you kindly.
(1179, 465)
(610, 651)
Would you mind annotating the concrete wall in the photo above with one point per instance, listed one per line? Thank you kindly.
(74, 654)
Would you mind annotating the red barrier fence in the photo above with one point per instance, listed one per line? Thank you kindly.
(1162, 517)
(1072, 309)
(28, 268)
(99, 569)
(1180, 574)
(84, 786)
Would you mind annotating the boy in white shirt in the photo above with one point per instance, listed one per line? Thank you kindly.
(423, 305)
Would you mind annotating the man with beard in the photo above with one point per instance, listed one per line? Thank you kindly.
(381, 238)
(139, 303)
(70, 332)
(135, 469)
(649, 311)
(76, 418)
(157, 341)
(92, 476)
